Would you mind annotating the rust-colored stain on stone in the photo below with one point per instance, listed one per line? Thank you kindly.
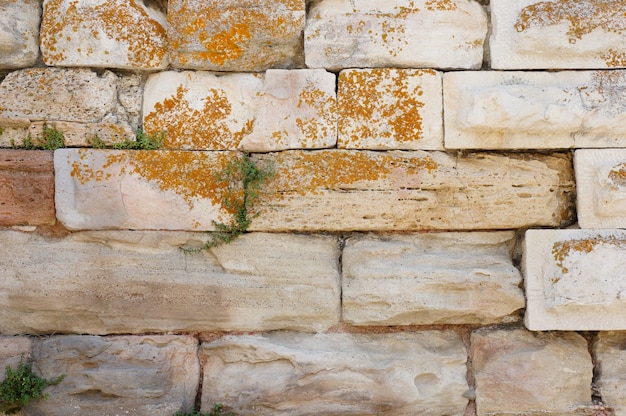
(563, 249)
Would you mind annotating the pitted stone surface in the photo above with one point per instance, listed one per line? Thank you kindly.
(19, 33)
(426, 279)
(575, 279)
(535, 110)
(387, 33)
(610, 353)
(419, 373)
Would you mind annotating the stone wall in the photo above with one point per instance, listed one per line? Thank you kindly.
(441, 235)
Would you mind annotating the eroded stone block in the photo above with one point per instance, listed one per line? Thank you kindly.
(610, 353)
(19, 33)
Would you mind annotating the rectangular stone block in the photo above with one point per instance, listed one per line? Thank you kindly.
(19, 33)
(601, 188)
(285, 373)
(386, 108)
(428, 279)
(610, 353)
(553, 34)
(575, 279)
(535, 110)
(104, 282)
(387, 33)
(344, 190)
(26, 187)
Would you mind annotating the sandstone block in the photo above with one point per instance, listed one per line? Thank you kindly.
(601, 187)
(336, 374)
(26, 187)
(523, 373)
(141, 375)
(575, 279)
(104, 282)
(12, 350)
(551, 34)
(535, 110)
(19, 33)
(610, 353)
(103, 33)
(338, 190)
(383, 33)
(235, 35)
(425, 279)
(386, 108)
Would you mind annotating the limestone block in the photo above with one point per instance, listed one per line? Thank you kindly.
(103, 282)
(343, 190)
(552, 34)
(12, 350)
(523, 373)
(135, 375)
(26, 187)
(395, 33)
(535, 110)
(103, 33)
(235, 35)
(19, 33)
(575, 279)
(601, 188)
(286, 373)
(426, 279)
(610, 354)
(385, 108)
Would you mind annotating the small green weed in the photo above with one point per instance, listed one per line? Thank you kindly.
(143, 141)
(217, 411)
(50, 139)
(96, 142)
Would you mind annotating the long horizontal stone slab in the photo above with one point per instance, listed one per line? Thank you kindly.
(140, 282)
(419, 373)
(343, 190)
(575, 279)
(434, 278)
(534, 110)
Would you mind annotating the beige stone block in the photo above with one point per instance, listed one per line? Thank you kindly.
(235, 35)
(107, 282)
(427, 279)
(609, 351)
(386, 108)
(531, 374)
(554, 34)
(344, 190)
(104, 33)
(575, 279)
(287, 373)
(19, 33)
(534, 110)
(395, 33)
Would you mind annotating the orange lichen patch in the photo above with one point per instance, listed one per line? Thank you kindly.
(326, 110)
(583, 16)
(617, 176)
(615, 59)
(434, 5)
(561, 250)
(226, 45)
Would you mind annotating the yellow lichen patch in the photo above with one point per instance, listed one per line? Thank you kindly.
(617, 176)
(561, 250)
(434, 5)
(325, 106)
(615, 59)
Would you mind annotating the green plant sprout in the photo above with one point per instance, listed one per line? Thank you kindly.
(143, 141)
(50, 139)
(216, 411)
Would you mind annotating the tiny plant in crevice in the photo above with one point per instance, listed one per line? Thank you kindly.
(216, 411)
(50, 139)
(21, 386)
(96, 142)
(143, 141)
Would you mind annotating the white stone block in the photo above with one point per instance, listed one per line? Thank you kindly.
(19, 33)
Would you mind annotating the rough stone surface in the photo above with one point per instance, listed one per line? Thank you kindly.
(425, 279)
(337, 190)
(575, 279)
(601, 188)
(551, 34)
(610, 353)
(103, 33)
(13, 131)
(102, 282)
(337, 374)
(12, 350)
(235, 35)
(523, 373)
(387, 33)
(385, 108)
(19, 33)
(26, 187)
(149, 375)
(535, 110)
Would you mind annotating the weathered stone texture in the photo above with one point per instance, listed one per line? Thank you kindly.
(535, 110)
(530, 374)
(26, 187)
(103, 33)
(385, 108)
(337, 374)
(424, 279)
(235, 35)
(532, 34)
(19, 33)
(12, 350)
(148, 375)
(610, 354)
(337, 190)
(395, 33)
(575, 279)
(141, 282)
